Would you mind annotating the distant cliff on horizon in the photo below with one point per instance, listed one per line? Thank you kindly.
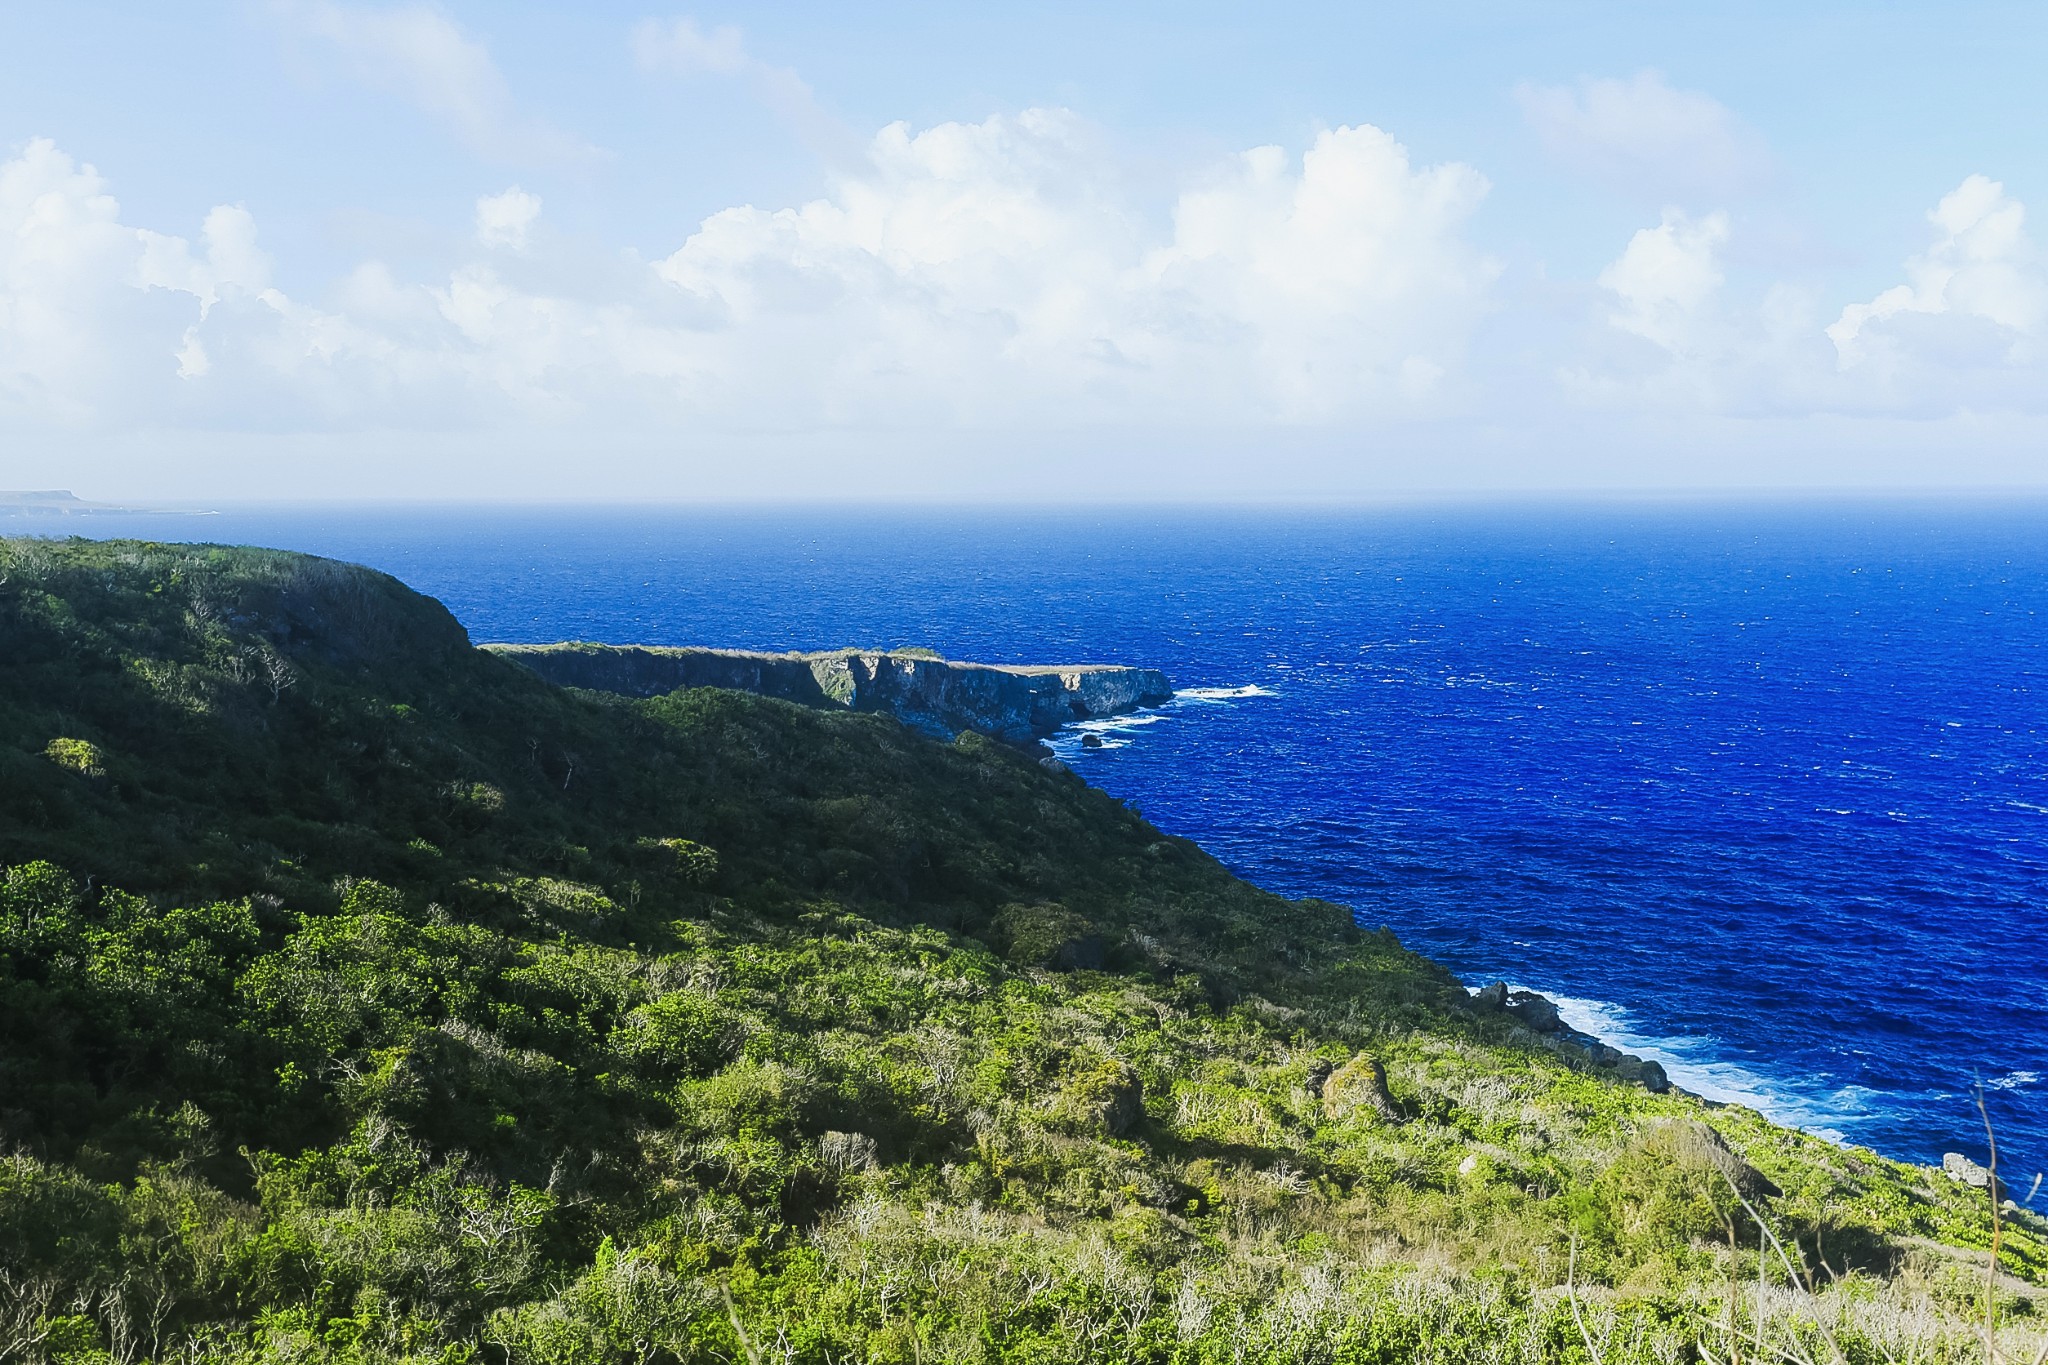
(938, 696)
(61, 502)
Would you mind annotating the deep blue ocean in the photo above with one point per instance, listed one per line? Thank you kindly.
(1758, 790)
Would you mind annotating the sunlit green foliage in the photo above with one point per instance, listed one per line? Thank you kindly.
(363, 998)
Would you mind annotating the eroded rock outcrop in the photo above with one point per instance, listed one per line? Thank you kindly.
(1361, 1085)
(935, 695)
(1964, 1171)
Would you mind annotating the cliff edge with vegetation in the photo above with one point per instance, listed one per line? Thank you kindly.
(365, 997)
(935, 695)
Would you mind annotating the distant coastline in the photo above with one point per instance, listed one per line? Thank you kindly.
(1019, 705)
(59, 502)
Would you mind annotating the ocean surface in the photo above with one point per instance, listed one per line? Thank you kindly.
(1760, 791)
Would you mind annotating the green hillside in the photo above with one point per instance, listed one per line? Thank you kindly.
(365, 998)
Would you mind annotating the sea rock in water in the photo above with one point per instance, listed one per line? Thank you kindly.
(1091, 741)
(1534, 1012)
(1360, 1083)
(1491, 997)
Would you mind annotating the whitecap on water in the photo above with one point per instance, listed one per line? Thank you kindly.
(1220, 694)
(2013, 1080)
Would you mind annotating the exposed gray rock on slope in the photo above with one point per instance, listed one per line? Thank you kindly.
(1964, 1171)
(937, 696)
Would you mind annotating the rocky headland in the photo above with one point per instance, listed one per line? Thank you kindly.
(938, 696)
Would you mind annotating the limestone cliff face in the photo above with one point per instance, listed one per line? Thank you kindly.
(1112, 691)
(937, 696)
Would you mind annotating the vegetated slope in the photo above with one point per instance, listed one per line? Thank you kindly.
(363, 997)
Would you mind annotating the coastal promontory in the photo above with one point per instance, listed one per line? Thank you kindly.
(938, 696)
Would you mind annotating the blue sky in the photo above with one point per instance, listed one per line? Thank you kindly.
(320, 249)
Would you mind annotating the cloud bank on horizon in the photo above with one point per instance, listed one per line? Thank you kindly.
(1019, 272)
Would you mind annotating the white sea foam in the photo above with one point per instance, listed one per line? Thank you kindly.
(1114, 732)
(1219, 694)
(1109, 725)
(1690, 1064)
(2013, 1080)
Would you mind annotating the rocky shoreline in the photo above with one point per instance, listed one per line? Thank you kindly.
(941, 697)
(1538, 1014)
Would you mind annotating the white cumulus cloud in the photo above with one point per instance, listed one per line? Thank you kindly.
(1001, 272)
(1009, 277)
(1963, 334)
(506, 219)
(232, 260)
(95, 315)
(1666, 278)
(1643, 136)
(1001, 266)
(1982, 266)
